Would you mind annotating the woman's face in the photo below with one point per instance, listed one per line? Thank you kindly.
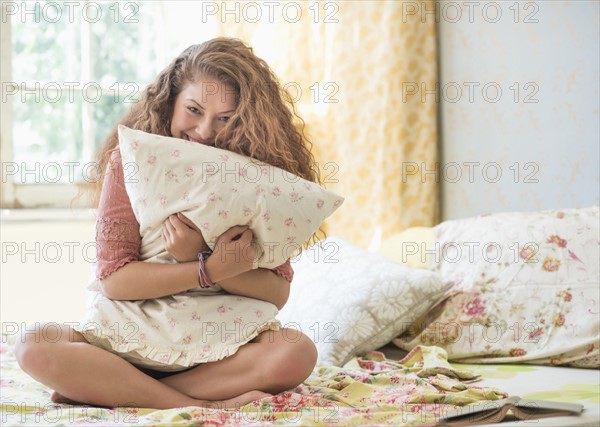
(202, 109)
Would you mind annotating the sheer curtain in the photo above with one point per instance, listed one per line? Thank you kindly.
(357, 70)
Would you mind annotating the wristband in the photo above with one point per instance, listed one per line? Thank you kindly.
(203, 280)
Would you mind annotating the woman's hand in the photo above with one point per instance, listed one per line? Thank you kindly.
(232, 255)
(182, 238)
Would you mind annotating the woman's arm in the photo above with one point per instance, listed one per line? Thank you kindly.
(230, 266)
(231, 263)
(262, 284)
(118, 243)
(142, 280)
(145, 280)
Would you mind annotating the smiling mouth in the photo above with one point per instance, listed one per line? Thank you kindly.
(188, 138)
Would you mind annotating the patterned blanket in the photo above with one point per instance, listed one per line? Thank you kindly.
(369, 390)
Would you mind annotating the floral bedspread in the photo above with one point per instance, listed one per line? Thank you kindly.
(369, 390)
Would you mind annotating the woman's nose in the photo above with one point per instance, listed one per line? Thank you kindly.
(204, 129)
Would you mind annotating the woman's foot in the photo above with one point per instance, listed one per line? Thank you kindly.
(236, 402)
(59, 398)
(233, 403)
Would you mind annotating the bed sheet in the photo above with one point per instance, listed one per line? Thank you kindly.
(556, 383)
(372, 390)
(538, 382)
(369, 390)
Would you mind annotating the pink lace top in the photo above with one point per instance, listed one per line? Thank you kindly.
(118, 239)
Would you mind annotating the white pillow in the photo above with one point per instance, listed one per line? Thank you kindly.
(350, 301)
(217, 189)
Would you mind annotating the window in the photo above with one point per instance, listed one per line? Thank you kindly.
(69, 71)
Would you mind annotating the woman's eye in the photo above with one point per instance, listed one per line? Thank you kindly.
(194, 110)
(224, 118)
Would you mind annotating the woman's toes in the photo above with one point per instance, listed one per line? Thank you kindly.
(245, 398)
(59, 398)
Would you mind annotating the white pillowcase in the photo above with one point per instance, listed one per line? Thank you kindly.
(218, 189)
(350, 301)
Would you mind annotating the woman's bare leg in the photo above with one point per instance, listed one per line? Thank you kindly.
(61, 358)
(273, 362)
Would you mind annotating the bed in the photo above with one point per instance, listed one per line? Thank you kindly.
(371, 390)
(383, 357)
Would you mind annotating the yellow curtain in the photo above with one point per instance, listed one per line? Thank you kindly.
(357, 69)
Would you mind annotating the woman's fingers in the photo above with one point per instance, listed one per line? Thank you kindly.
(166, 233)
(185, 220)
(235, 251)
(234, 232)
(174, 222)
(168, 227)
(246, 236)
(179, 223)
(181, 241)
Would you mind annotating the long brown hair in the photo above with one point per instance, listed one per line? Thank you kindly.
(264, 126)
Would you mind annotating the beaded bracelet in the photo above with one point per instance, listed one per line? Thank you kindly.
(203, 280)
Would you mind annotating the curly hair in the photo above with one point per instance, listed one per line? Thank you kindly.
(265, 124)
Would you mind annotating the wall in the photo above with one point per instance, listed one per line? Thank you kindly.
(46, 265)
(541, 132)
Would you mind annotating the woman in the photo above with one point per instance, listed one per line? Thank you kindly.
(217, 93)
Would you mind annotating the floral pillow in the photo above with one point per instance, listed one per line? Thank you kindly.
(217, 189)
(350, 301)
(527, 288)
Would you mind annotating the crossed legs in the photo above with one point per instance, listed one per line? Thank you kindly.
(273, 362)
